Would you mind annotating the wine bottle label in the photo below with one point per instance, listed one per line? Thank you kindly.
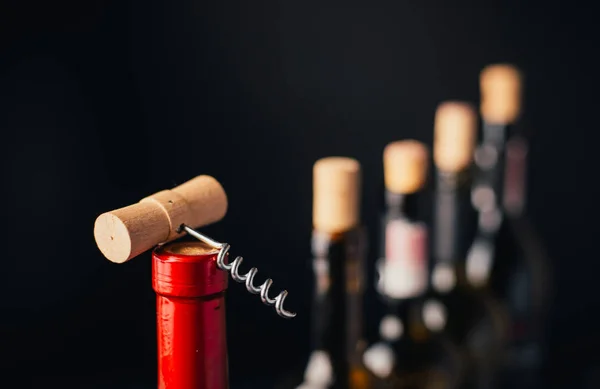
(405, 267)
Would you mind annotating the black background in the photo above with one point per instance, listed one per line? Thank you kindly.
(105, 102)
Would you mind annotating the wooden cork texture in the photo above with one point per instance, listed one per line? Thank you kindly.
(336, 194)
(455, 134)
(405, 166)
(175, 207)
(124, 233)
(500, 88)
(206, 198)
(189, 248)
(127, 232)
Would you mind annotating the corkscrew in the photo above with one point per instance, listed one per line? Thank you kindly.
(248, 278)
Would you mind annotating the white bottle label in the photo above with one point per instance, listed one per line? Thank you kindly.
(405, 267)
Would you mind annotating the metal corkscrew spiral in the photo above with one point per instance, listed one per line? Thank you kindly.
(248, 278)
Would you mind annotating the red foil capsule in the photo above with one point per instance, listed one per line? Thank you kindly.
(190, 305)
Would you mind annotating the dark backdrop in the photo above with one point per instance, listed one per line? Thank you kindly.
(104, 102)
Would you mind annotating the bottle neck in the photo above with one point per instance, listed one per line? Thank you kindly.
(454, 220)
(496, 133)
(490, 161)
(402, 205)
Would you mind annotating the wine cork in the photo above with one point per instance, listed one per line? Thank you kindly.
(500, 87)
(455, 132)
(336, 194)
(189, 248)
(125, 233)
(405, 166)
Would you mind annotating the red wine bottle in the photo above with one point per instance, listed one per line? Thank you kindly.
(411, 350)
(476, 321)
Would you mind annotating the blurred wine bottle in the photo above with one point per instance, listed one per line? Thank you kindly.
(338, 247)
(411, 350)
(475, 320)
(508, 257)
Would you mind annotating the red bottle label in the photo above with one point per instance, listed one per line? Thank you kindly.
(405, 268)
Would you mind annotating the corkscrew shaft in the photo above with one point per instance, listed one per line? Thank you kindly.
(248, 278)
